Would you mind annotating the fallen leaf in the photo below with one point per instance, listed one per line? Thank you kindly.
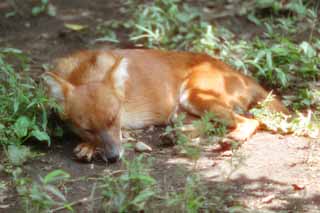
(75, 27)
(298, 187)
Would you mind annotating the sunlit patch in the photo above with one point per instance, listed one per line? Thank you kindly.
(204, 165)
(205, 97)
(120, 76)
(185, 103)
(104, 60)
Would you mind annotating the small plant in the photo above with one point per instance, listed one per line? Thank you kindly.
(195, 197)
(284, 62)
(209, 125)
(131, 190)
(305, 98)
(191, 199)
(3, 188)
(17, 155)
(23, 112)
(293, 9)
(44, 6)
(162, 24)
(206, 127)
(296, 6)
(41, 197)
(165, 24)
(183, 142)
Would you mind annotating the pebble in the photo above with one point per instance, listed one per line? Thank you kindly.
(142, 147)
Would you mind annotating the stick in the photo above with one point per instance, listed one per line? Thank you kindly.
(83, 200)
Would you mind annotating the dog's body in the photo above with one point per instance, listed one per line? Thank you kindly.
(104, 91)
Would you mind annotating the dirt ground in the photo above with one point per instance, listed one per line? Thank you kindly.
(269, 173)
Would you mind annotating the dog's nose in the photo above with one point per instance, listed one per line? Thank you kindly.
(113, 159)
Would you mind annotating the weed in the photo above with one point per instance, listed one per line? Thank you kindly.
(17, 155)
(191, 199)
(161, 24)
(44, 6)
(298, 7)
(23, 116)
(165, 24)
(283, 62)
(23, 112)
(195, 197)
(40, 197)
(183, 142)
(131, 190)
(35, 7)
(305, 98)
(295, 10)
(3, 189)
(207, 127)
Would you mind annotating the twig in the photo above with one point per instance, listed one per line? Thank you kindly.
(117, 172)
(83, 200)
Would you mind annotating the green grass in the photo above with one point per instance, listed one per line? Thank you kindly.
(23, 113)
(130, 191)
(281, 62)
(23, 117)
(27, 8)
(191, 199)
(43, 195)
(202, 131)
(43, 6)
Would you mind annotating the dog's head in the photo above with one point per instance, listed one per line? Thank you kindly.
(93, 108)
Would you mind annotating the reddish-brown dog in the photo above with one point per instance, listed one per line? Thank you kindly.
(103, 91)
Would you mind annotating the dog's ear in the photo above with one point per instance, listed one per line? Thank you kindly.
(58, 88)
(119, 75)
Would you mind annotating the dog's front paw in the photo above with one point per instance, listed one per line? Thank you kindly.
(85, 151)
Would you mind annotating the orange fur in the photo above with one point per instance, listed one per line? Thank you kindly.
(104, 91)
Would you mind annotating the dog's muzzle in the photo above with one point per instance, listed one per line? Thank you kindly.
(111, 152)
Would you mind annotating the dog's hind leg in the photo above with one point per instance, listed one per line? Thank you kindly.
(197, 102)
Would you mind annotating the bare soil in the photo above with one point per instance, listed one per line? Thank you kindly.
(268, 173)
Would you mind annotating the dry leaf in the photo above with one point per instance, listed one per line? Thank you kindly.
(298, 187)
(75, 27)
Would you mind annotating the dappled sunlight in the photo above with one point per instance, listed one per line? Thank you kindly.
(194, 169)
(255, 175)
